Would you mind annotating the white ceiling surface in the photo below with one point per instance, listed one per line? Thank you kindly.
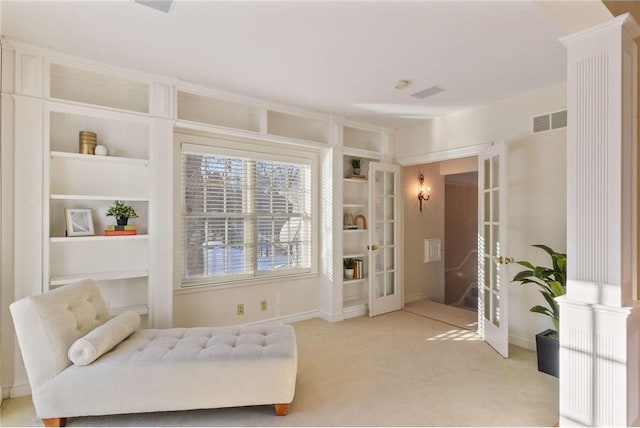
(337, 57)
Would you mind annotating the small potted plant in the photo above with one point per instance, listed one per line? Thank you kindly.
(552, 283)
(122, 212)
(349, 264)
(355, 164)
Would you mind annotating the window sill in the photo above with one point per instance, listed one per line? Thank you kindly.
(250, 282)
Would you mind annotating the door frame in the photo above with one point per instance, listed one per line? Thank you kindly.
(443, 155)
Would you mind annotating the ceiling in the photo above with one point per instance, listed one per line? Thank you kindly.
(333, 57)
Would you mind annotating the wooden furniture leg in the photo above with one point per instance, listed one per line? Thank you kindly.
(54, 422)
(282, 409)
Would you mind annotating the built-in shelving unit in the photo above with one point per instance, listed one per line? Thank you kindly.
(137, 116)
(225, 113)
(367, 143)
(115, 108)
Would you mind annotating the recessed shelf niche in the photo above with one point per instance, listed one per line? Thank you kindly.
(90, 87)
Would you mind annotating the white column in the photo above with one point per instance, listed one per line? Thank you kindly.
(599, 340)
(161, 206)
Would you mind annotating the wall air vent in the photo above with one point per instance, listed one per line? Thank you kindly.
(550, 121)
(559, 119)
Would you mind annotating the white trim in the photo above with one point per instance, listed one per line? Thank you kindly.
(85, 64)
(522, 342)
(414, 297)
(369, 154)
(460, 152)
(19, 390)
(246, 282)
(203, 129)
(619, 21)
(354, 311)
(222, 148)
(331, 318)
(289, 319)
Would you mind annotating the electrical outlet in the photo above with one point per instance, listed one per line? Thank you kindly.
(240, 309)
(263, 305)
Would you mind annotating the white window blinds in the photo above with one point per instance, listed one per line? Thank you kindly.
(244, 215)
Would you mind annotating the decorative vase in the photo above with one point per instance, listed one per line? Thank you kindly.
(356, 171)
(122, 221)
(348, 273)
(347, 220)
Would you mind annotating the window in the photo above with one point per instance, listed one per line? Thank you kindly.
(245, 214)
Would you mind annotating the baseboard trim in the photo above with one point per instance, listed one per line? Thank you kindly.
(529, 344)
(414, 297)
(289, 319)
(355, 311)
(14, 391)
(331, 318)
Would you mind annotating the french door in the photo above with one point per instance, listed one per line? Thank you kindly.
(385, 289)
(493, 282)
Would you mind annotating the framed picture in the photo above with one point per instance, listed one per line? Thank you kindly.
(79, 221)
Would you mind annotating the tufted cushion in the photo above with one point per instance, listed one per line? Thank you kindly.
(209, 343)
(103, 338)
(47, 324)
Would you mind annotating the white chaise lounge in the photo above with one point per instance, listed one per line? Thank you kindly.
(148, 370)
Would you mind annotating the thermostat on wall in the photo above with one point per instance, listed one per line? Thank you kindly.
(432, 250)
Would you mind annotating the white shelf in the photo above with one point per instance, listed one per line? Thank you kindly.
(353, 256)
(99, 197)
(139, 309)
(354, 205)
(95, 158)
(355, 230)
(97, 238)
(99, 276)
(355, 180)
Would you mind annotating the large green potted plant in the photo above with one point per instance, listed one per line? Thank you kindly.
(122, 212)
(552, 282)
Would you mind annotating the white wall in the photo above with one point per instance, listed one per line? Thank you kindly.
(287, 300)
(537, 182)
(422, 280)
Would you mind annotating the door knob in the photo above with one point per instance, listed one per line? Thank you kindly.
(373, 247)
(505, 260)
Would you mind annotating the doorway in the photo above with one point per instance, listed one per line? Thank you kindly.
(461, 240)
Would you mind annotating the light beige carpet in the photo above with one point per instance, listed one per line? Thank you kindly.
(459, 317)
(397, 369)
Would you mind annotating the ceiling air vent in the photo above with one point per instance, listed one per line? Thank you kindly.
(427, 92)
(549, 121)
(161, 5)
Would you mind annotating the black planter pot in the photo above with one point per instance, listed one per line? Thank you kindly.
(122, 221)
(548, 348)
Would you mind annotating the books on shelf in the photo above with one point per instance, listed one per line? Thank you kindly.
(120, 232)
(114, 227)
(361, 177)
(358, 269)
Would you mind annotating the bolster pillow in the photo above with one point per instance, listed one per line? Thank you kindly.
(103, 338)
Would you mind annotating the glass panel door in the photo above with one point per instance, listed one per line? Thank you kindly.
(492, 280)
(385, 294)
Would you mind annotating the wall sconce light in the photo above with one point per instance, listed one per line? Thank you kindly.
(421, 194)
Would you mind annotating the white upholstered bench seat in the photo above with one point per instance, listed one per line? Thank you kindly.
(179, 369)
(151, 370)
